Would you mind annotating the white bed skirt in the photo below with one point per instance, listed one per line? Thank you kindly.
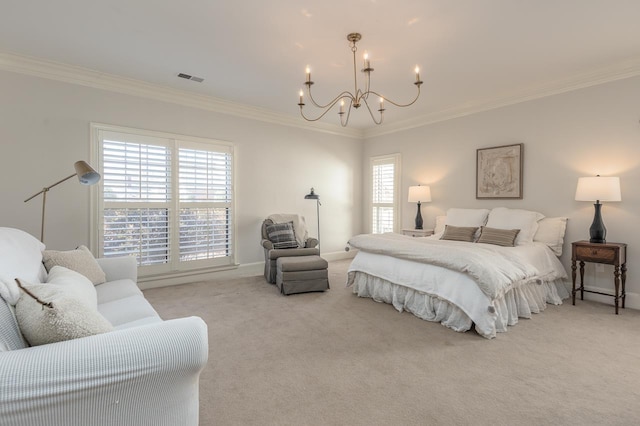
(520, 302)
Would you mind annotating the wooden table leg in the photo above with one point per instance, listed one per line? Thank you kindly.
(624, 279)
(581, 280)
(573, 280)
(616, 281)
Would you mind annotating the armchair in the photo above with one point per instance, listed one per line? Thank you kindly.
(307, 246)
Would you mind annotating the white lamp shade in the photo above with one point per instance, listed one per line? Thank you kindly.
(598, 188)
(419, 194)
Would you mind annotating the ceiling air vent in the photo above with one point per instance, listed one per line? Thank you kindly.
(190, 77)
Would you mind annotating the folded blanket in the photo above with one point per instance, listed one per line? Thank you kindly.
(495, 269)
(9, 290)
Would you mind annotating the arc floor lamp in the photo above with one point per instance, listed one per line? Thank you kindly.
(86, 176)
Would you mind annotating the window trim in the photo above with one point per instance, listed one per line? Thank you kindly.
(96, 205)
(396, 160)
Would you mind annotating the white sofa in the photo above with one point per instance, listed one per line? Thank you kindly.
(144, 372)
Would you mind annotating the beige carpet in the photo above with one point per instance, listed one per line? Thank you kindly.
(335, 359)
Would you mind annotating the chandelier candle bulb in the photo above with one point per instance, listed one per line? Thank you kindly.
(308, 71)
(301, 97)
(367, 64)
(342, 106)
(417, 73)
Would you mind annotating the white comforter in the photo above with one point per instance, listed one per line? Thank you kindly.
(535, 263)
(495, 269)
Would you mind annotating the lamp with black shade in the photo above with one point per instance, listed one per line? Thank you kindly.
(598, 188)
(419, 194)
(313, 196)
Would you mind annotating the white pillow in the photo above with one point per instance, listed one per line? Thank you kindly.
(466, 217)
(75, 284)
(67, 318)
(551, 232)
(80, 260)
(20, 255)
(524, 220)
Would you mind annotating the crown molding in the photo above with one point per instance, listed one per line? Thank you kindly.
(619, 71)
(89, 78)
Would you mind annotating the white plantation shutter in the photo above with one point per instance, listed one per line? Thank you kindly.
(167, 201)
(384, 196)
(205, 203)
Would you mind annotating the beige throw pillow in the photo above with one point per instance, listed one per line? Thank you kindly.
(498, 237)
(80, 260)
(63, 317)
(459, 233)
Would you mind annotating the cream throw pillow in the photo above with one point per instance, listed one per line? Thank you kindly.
(80, 260)
(75, 284)
(64, 318)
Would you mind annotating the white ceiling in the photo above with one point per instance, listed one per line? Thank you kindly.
(471, 52)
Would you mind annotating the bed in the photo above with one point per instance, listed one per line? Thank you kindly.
(460, 276)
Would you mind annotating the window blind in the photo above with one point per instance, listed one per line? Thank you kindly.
(384, 172)
(169, 202)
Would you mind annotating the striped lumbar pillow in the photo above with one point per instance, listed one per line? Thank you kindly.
(282, 235)
(499, 237)
(459, 233)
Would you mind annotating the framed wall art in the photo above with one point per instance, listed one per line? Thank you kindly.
(499, 172)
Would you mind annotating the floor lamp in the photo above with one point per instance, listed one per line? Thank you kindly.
(313, 196)
(86, 176)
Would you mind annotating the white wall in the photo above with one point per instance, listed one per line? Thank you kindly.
(44, 129)
(581, 133)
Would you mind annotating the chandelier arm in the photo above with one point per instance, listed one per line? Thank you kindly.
(344, 124)
(332, 102)
(326, 108)
(394, 103)
(371, 112)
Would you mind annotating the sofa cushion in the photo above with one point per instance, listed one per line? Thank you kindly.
(67, 318)
(125, 310)
(114, 290)
(80, 260)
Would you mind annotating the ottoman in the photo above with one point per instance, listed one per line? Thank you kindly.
(301, 274)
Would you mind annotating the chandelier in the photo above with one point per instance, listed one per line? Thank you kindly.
(358, 97)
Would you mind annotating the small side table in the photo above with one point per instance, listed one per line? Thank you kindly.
(608, 253)
(417, 232)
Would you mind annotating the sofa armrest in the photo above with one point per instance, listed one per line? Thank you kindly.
(119, 268)
(145, 375)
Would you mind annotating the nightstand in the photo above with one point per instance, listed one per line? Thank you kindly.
(608, 253)
(417, 232)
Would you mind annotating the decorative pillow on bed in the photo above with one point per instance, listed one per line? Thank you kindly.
(80, 260)
(466, 217)
(459, 233)
(282, 235)
(551, 232)
(524, 220)
(498, 237)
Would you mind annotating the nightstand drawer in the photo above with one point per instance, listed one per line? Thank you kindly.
(417, 232)
(596, 254)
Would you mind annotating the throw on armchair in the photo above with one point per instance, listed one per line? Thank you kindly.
(302, 244)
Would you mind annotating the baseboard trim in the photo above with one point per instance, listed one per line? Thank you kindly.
(243, 270)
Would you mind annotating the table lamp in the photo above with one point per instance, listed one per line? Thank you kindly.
(598, 188)
(419, 194)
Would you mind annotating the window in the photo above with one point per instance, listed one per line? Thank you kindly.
(166, 199)
(385, 171)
